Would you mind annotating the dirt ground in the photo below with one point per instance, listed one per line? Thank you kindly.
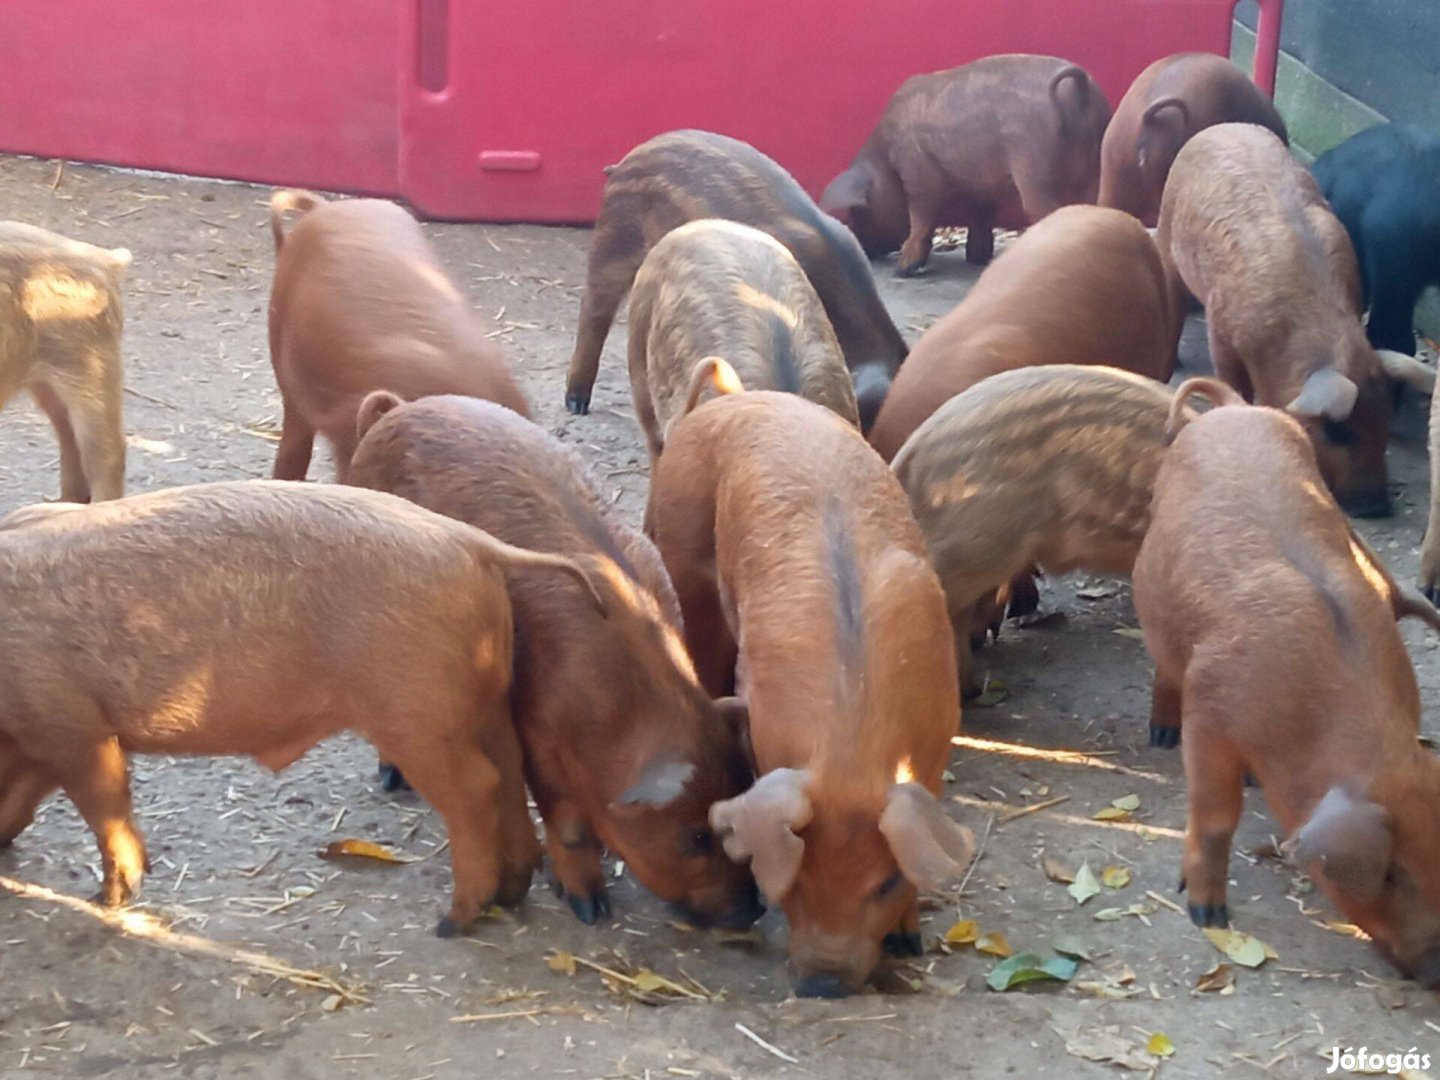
(236, 848)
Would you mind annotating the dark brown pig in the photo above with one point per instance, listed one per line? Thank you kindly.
(360, 302)
(259, 618)
(718, 288)
(61, 318)
(1278, 645)
(1048, 466)
(622, 748)
(998, 143)
(1243, 227)
(804, 581)
(686, 175)
(1085, 286)
(1167, 103)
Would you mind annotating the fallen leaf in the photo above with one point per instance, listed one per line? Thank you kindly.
(1084, 886)
(363, 849)
(1107, 1045)
(963, 932)
(1098, 592)
(1056, 870)
(1245, 950)
(1160, 1045)
(1115, 877)
(1130, 632)
(1025, 968)
(995, 692)
(649, 982)
(1072, 946)
(1128, 803)
(1107, 990)
(332, 1003)
(1111, 813)
(1139, 910)
(994, 943)
(561, 961)
(1219, 979)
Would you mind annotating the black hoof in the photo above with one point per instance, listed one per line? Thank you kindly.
(579, 404)
(1164, 736)
(446, 928)
(392, 779)
(1216, 915)
(1250, 780)
(909, 271)
(589, 909)
(1432, 593)
(904, 943)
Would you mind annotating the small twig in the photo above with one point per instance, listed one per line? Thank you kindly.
(151, 397)
(1005, 819)
(1165, 901)
(769, 1048)
(979, 850)
(59, 175)
(513, 1014)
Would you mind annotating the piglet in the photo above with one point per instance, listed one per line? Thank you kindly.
(1244, 228)
(804, 583)
(622, 747)
(1384, 185)
(716, 287)
(998, 143)
(1048, 466)
(258, 618)
(1085, 286)
(683, 176)
(1168, 102)
(60, 322)
(1279, 648)
(360, 302)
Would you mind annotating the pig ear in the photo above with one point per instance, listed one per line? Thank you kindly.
(1406, 369)
(761, 824)
(660, 783)
(848, 190)
(1349, 839)
(1326, 393)
(931, 848)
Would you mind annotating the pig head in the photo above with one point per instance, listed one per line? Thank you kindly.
(844, 874)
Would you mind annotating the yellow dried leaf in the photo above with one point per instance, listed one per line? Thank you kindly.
(1085, 886)
(561, 961)
(650, 982)
(1115, 877)
(363, 849)
(963, 932)
(1245, 950)
(1128, 803)
(1219, 979)
(1056, 870)
(995, 944)
(1111, 813)
(1160, 1045)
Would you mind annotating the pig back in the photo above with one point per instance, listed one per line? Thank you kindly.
(1061, 458)
(718, 288)
(219, 618)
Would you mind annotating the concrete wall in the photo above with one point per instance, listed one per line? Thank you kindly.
(1346, 65)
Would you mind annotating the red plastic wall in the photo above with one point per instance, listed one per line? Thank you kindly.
(508, 109)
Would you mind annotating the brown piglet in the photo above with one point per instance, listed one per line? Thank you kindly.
(998, 143)
(1274, 639)
(683, 176)
(360, 302)
(61, 318)
(1085, 286)
(1244, 228)
(1168, 102)
(623, 750)
(719, 288)
(804, 582)
(258, 618)
(1048, 466)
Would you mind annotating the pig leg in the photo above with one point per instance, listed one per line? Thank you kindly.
(1215, 778)
(574, 858)
(905, 940)
(343, 440)
(23, 787)
(73, 486)
(1227, 362)
(297, 443)
(922, 193)
(519, 848)
(979, 242)
(1164, 711)
(97, 780)
(1430, 546)
(616, 252)
(94, 415)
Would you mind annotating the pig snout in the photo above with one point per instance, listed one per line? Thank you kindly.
(822, 985)
(733, 910)
(1369, 503)
(830, 966)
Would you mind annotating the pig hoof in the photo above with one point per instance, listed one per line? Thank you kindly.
(447, 928)
(1217, 915)
(589, 909)
(912, 270)
(392, 779)
(1250, 780)
(1432, 593)
(1165, 737)
(904, 943)
(577, 403)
